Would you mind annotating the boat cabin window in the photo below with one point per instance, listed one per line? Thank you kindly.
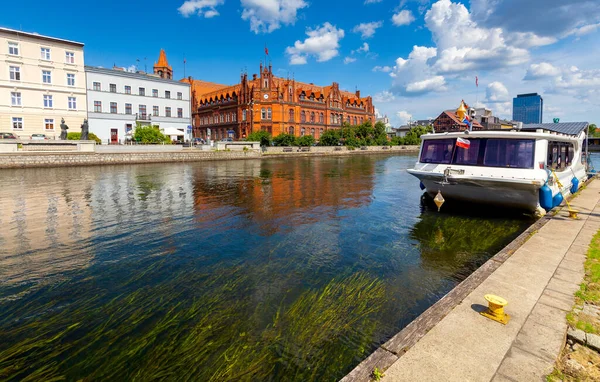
(560, 155)
(437, 151)
(487, 152)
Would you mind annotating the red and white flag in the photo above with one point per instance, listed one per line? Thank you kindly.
(266, 51)
(476, 81)
(463, 143)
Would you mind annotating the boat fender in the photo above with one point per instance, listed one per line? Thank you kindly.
(558, 199)
(546, 198)
(574, 185)
(422, 186)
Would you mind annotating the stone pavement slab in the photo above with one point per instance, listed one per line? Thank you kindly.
(538, 281)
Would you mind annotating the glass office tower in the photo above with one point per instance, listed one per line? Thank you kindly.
(528, 108)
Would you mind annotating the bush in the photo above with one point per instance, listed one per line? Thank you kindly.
(149, 134)
(77, 136)
(260, 136)
(284, 139)
(305, 140)
(330, 138)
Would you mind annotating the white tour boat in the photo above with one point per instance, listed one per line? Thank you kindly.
(528, 168)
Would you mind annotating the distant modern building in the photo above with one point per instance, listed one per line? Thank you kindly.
(528, 108)
(42, 80)
(118, 100)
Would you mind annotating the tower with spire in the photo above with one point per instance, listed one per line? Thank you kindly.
(162, 67)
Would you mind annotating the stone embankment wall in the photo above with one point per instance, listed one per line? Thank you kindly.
(56, 159)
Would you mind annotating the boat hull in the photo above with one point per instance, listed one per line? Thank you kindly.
(511, 194)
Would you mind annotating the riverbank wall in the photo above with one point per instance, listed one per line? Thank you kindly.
(60, 159)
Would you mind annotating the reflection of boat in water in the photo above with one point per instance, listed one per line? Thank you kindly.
(526, 169)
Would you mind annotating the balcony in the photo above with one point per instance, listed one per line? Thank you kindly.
(143, 117)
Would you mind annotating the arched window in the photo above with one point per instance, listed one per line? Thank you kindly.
(266, 83)
(269, 113)
(263, 113)
(290, 90)
(291, 115)
(226, 117)
(331, 119)
(244, 115)
(355, 120)
(291, 130)
(222, 118)
(234, 116)
(303, 116)
(321, 118)
(302, 131)
(320, 132)
(312, 132)
(312, 117)
(348, 119)
(361, 120)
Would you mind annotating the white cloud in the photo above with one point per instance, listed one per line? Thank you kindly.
(372, 1)
(404, 17)
(131, 69)
(541, 70)
(528, 40)
(206, 8)
(384, 96)
(584, 29)
(348, 60)
(384, 69)
(437, 83)
(364, 48)
(496, 92)
(265, 16)
(367, 30)
(322, 43)
(404, 117)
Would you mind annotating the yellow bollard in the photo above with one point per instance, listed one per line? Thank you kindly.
(495, 310)
(439, 200)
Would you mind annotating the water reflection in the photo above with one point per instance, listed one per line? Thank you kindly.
(287, 269)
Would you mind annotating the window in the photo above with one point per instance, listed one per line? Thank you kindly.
(302, 131)
(179, 112)
(127, 108)
(49, 124)
(226, 117)
(47, 101)
(331, 119)
(72, 103)
(320, 132)
(45, 53)
(15, 98)
(269, 113)
(167, 94)
(312, 117)
(512, 153)
(355, 121)
(70, 57)
(47, 76)
(13, 48)
(113, 108)
(221, 118)
(113, 88)
(468, 156)
(127, 89)
(312, 132)
(244, 115)
(291, 128)
(560, 155)
(97, 106)
(303, 116)
(97, 86)
(154, 92)
(17, 123)
(142, 91)
(70, 79)
(155, 111)
(234, 117)
(291, 115)
(142, 111)
(179, 95)
(263, 113)
(321, 118)
(437, 151)
(15, 73)
(168, 112)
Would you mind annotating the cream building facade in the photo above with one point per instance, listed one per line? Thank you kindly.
(42, 79)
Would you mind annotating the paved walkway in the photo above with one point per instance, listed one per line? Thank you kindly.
(538, 281)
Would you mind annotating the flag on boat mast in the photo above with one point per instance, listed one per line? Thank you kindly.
(463, 143)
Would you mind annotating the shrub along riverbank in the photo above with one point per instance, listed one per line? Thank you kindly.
(364, 134)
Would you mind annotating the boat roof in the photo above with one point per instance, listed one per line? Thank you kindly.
(569, 128)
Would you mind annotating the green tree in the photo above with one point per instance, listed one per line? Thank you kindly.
(149, 135)
(397, 141)
(330, 138)
(305, 140)
(284, 139)
(593, 130)
(77, 136)
(260, 136)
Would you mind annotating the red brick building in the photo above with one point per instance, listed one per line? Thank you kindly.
(274, 104)
(448, 121)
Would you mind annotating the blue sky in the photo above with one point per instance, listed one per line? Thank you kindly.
(415, 57)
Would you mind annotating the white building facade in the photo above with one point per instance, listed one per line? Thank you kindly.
(118, 100)
(42, 80)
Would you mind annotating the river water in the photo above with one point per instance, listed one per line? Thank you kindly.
(281, 269)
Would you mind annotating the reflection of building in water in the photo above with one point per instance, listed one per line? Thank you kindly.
(278, 189)
(46, 220)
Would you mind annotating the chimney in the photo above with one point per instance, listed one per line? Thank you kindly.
(358, 94)
(254, 76)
